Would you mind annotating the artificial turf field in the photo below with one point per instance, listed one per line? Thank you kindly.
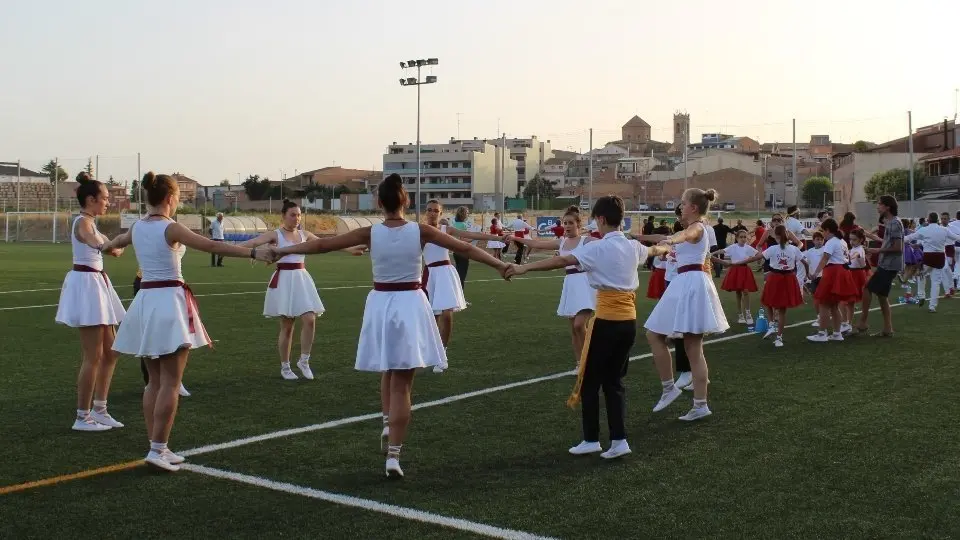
(837, 440)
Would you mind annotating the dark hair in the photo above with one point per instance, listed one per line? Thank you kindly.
(859, 234)
(830, 225)
(158, 187)
(821, 213)
(436, 202)
(759, 223)
(958, 214)
(461, 214)
(610, 208)
(792, 209)
(817, 234)
(848, 220)
(677, 211)
(287, 204)
(780, 233)
(890, 202)
(700, 198)
(573, 211)
(88, 188)
(933, 217)
(678, 226)
(719, 220)
(391, 193)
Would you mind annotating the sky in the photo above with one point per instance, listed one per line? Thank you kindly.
(217, 88)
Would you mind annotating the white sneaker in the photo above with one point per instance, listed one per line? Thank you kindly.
(749, 319)
(89, 424)
(689, 387)
(685, 379)
(393, 469)
(778, 342)
(617, 449)
(183, 391)
(846, 328)
(288, 373)
(771, 331)
(819, 337)
(105, 419)
(696, 413)
(585, 448)
(815, 323)
(441, 368)
(933, 309)
(836, 336)
(668, 396)
(158, 459)
(171, 457)
(305, 369)
(741, 319)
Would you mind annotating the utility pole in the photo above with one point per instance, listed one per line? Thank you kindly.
(910, 150)
(590, 154)
(794, 160)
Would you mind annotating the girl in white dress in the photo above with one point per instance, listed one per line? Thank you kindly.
(89, 302)
(578, 300)
(399, 333)
(163, 322)
(291, 293)
(690, 306)
(440, 280)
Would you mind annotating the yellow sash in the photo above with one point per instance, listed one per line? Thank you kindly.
(611, 306)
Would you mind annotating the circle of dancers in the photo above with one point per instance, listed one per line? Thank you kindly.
(408, 315)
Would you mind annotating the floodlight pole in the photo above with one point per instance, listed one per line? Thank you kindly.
(418, 82)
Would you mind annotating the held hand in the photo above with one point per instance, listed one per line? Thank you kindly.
(115, 252)
(504, 270)
(266, 254)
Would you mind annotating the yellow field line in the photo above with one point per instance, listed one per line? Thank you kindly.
(5, 490)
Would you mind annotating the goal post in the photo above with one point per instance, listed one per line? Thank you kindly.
(36, 227)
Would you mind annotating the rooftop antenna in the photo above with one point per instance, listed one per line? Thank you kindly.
(956, 97)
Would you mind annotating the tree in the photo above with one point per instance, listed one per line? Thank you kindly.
(224, 183)
(89, 167)
(112, 182)
(60, 176)
(816, 190)
(538, 187)
(861, 146)
(257, 189)
(894, 182)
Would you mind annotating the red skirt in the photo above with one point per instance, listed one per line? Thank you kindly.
(657, 284)
(860, 277)
(739, 279)
(836, 286)
(781, 291)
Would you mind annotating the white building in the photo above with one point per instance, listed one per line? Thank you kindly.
(531, 156)
(458, 173)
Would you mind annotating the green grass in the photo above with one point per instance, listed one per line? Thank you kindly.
(849, 440)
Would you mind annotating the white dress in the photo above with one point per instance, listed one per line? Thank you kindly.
(291, 293)
(577, 294)
(160, 320)
(88, 298)
(443, 284)
(690, 304)
(399, 330)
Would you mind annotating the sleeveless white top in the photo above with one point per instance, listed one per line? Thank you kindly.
(82, 253)
(283, 242)
(158, 261)
(563, 251)
(433, 253)
(688, 253)
(395, 253)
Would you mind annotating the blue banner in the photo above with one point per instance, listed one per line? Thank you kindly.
(544, 224)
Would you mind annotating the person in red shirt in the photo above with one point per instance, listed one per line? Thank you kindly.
(558, 230)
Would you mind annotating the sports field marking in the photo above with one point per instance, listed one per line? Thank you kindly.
(367, 504)
(261, 291)
(261, 282)
(67, 477)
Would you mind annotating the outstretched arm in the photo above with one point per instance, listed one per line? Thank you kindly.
(470, 235)
(178, 233)
(356, 237)
(553, 263)
(269, 237)
(115, 247)
(432, 235)
(536, 243)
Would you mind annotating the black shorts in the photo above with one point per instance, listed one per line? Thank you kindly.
(881, 282)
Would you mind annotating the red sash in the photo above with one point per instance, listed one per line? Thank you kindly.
(85, 268)
(426, 273)
(396, 287)
(571, 271)
(690, 268)
(934, 260)
(284, 266)
(193, 310)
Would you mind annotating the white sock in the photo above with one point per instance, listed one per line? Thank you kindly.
(667, 384)
(393, 451)
(699, 403)
(285, 365)
(158, 447)
(83, 413)
(100, 406)
(304, 358)
(386, 420)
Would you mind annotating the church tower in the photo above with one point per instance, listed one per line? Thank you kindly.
(681, 131)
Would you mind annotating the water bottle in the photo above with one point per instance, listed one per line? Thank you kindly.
(761, 325)
(901, 300)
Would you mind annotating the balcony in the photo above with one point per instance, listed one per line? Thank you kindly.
(404, 171)
(466, 186)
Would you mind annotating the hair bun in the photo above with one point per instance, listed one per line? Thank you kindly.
(573, 209)
(149, 180)
(84, 177)
(286, 201)
(711, 194)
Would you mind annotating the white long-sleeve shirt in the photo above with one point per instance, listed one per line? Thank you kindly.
(934, 238)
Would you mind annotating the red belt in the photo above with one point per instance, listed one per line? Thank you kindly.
(571, 271)
(284, 266)
(426, 273)
(396, 287)
(85, 268)
(690, 268)
(193, 309)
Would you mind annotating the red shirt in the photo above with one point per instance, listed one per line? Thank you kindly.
(558, 230)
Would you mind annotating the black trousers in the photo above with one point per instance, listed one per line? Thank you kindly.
(519, 258)
(680, 353)
(462, 263)
(143, 365)
(607, 361)
(717, 268)
(216, 260)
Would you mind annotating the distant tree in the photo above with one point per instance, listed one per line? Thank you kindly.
(816, 190)
(55, 178)
(861, 146)
(537, 186)
(112, 182)
(89, 167)
(225, 183)
(134, 186)
(894, 182)
(257, 189)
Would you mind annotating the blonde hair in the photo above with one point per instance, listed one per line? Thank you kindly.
(700, 198)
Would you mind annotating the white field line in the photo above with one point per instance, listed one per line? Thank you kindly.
(367, 504)
(261, 291)
(261, 282)
(435, 403)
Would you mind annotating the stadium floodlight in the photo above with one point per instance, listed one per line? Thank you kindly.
(431, 79)
(432, 61)
(403, 65)
(418, 82)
